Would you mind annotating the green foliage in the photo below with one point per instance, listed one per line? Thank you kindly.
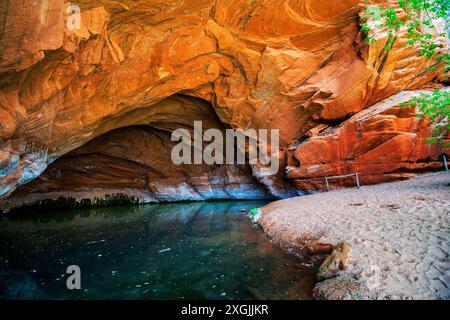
(416, 16)
(254, 213)
(435, 106)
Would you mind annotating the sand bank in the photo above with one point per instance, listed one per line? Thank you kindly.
(399, 234)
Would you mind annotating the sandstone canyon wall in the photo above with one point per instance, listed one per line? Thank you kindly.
(96, 105)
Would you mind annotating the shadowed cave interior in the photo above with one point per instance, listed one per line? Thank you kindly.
(134, 163)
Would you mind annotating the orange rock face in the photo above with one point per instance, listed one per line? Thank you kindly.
(287, 65)
(137, 160)
(385, 142)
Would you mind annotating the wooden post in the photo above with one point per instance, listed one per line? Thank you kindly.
(326, 182)
(445, 163)
(357, 180)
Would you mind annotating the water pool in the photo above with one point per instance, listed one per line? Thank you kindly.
(205, 250)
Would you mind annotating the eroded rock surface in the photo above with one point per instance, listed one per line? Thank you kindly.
(385, 142)
(287, 65)
(136, 161)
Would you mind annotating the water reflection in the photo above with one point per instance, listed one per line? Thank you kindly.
(168, 251)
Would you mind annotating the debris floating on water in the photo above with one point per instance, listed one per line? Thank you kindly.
(93, 242)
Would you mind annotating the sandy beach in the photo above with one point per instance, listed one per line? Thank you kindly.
(399, 233)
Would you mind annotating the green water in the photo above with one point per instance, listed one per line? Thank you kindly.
(168, 251)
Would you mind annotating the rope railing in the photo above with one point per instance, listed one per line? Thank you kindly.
(356, 175)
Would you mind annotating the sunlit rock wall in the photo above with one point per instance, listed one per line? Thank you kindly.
(293, 65)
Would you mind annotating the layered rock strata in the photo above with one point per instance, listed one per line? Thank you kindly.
(296, 66)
